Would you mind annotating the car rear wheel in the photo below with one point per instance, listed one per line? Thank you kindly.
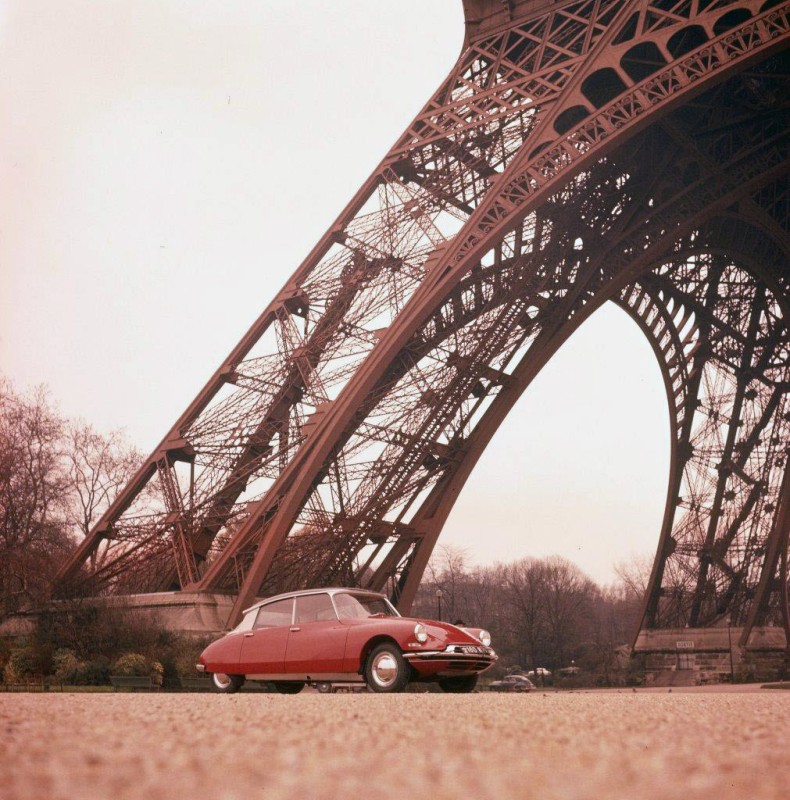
(226, 684)
(288, 687)
(386, 669)
(463, 683)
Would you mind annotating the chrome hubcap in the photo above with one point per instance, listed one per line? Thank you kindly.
(385, 669)
(222, 680)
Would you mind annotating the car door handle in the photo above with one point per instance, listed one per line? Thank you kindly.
(248, 634)
(294, 630)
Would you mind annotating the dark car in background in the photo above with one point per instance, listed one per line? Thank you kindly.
(512, 683)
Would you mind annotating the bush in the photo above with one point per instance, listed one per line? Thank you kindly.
(158, 673)
(64, 665)
(5, 654)
(170, 675)
(92, 673)
(9, 676)
(132, 664)
(183, 654)
(27, 662)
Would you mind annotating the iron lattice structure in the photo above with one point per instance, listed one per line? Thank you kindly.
(626, 151)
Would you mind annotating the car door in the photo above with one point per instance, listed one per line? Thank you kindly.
(317, 640)
(263, 648)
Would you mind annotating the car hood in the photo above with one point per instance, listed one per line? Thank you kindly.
(445, 633)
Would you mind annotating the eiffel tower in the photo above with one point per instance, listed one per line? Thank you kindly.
(578, 153)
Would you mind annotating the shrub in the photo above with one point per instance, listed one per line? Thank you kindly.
(92, 673)
(64, 665)
(131, 664)
(26, 662)
(183, 654)
(9, 676)
(5, 654)
(158, 673)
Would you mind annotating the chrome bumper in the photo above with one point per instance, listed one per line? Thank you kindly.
(200, 667)
(454, 652)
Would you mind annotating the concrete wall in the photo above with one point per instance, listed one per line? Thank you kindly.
(197, 613)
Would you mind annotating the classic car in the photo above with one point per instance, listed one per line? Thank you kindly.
(344, 635)
(512, 683)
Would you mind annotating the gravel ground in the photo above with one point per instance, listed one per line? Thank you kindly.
(633, 746)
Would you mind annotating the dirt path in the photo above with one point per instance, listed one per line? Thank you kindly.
(633, 746)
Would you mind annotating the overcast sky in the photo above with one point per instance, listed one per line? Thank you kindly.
(165, 166)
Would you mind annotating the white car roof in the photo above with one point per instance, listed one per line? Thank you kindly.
(323, 590)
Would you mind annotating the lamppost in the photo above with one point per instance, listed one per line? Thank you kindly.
(439, 594)
(729, 642)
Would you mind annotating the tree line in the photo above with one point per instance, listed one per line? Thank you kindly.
(541, 612)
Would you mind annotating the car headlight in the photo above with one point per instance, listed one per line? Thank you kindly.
(420, 634)
(485, 638)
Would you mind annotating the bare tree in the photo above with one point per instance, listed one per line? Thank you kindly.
(97, 469)
(525, 582)
(33, 490)
(606, 629)
(634, 575)
(482, 597)
(447, 571)
(568, 596)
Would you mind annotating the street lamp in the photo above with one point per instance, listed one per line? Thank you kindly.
(439, 594)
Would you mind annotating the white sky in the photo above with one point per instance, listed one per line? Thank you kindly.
(165, 165)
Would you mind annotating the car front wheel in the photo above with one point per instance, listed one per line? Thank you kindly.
(463, 683)
(226, 684)
(386, 669)
(288, 687)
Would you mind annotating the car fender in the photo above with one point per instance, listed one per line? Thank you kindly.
(371, 644)
(224, 654)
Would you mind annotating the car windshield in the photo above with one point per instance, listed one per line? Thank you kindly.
(359, 606)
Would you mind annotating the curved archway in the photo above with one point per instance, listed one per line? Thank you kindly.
(579, 466)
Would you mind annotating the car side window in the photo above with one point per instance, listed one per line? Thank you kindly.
(314, 608)
(275, 614)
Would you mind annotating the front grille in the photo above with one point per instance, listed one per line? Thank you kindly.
(468, 665)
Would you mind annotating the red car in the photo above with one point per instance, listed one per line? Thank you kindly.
(344, 635)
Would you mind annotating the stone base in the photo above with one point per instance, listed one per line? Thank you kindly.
(711, 655)
(195, 613)
(187, 612)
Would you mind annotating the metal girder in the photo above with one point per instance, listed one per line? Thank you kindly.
(577, 153)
